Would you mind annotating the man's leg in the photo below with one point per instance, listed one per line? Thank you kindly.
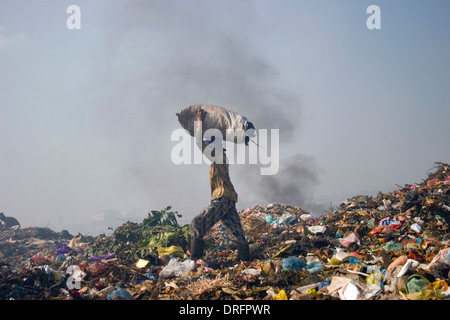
(232, 222)
(200, 225)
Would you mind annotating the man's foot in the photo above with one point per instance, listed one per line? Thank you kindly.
(243, 252)
(197, 246)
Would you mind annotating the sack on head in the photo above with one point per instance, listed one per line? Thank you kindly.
(218, 118)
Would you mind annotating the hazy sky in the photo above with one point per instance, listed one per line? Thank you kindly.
(86, 115)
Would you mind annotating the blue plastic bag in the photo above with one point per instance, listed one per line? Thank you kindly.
(315, 267)
(293, 263)
(120, 295)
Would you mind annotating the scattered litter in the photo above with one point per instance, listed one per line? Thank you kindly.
(389, 246)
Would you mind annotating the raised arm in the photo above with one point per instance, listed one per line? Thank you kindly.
(198, 136)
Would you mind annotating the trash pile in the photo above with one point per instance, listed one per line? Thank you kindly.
(392, 246)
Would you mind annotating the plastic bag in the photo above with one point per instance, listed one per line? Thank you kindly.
(432, 182)
(354, 260)
(78, 242)
(120, 295)
(287, 219)
(416, 228)
(350, 291)
(419, 288)
(393, 246)
(177, 268)
(317, 229)
(416, 284)
(39, 259)
(351, 238)
(63, 249)
(342, 256)
(270, 220)
(337, 283)
(422, 295)
(293, 263)
(306, 288)
(443, 258)
(173, 251)
(96, 268)
(106, 257)
(281, 295)
(314, 267)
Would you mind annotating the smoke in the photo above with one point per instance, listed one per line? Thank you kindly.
(165, 55)
(87, 115)
(294, 184)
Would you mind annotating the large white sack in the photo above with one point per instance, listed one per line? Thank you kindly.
(215, 118)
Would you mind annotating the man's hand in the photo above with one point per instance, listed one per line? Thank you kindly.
(200, 114)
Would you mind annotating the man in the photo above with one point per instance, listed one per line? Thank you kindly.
(222, 207)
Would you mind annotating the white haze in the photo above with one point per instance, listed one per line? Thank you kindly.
(87, 115)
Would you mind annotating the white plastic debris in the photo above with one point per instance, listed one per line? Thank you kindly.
(350, 291)
(177, 268)
(317, 229)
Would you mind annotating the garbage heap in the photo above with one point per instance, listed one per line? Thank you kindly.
(389, 246)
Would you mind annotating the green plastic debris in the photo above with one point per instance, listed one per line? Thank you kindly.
(394, 246)
(416, 284)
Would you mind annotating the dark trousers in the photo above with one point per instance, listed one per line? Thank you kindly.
(223, 210)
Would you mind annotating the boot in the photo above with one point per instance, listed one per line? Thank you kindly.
(197, 248)
(243, 252)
